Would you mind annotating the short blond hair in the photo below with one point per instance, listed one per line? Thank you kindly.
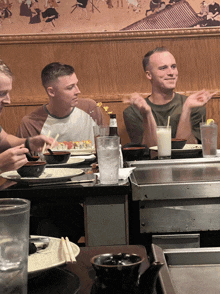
(5, 69)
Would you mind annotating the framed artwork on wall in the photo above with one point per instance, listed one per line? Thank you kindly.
(117, 18)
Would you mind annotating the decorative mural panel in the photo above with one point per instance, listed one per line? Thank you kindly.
(86, 16)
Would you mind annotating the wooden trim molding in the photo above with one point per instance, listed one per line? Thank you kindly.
(110, 36)
(21, 101)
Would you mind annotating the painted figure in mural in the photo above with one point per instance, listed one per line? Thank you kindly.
(35, 13)
(24, 9)
(119, 3)
(81, 4)
(214, 8)
(154, 6)
(134, 4)
(109, 3)
(174, 1)
(50, 15)
(210, 14)
(5, 11)
(143, 115)
(204, 8)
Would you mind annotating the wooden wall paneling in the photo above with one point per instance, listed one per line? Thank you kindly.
(107, 70)
(111, 67)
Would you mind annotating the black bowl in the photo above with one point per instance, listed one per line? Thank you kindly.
(57, 157)
(117, 268)
(178, 143)
(32, 158)
(133, 153)
(32, 169)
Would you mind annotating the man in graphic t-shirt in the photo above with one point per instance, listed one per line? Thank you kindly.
(143, 115)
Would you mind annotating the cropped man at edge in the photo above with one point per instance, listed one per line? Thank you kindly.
(72, 118)
(143, 115)
(12, 148)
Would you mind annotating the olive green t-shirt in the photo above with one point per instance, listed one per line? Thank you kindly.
(134, 120)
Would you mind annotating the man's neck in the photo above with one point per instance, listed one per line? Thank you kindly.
(161, 98)
(58, 111)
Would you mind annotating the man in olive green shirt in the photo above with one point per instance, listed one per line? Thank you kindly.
(143, 115)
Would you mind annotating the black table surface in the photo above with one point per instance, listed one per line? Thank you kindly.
(78, 277)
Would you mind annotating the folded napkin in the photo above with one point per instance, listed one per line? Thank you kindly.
(124, 173)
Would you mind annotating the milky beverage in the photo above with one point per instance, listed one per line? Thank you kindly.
(164, 142)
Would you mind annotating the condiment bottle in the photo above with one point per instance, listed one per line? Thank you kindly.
(113, 131)
(113, 126)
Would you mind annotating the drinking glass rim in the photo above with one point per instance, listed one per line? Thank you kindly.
(7, 204)
(205, 123)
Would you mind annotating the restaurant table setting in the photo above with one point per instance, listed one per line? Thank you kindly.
(126, 265)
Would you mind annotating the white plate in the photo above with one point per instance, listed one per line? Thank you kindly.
(186, 148)
(86, 157)
(81, 152)
(49, 257)
(75, 152)
(49, 175)
(70, 162)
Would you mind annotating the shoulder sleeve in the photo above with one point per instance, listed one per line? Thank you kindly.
(134, 124)
(31, 124)
(91, 108)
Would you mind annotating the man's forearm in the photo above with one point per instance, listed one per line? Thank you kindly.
(184, 128)
(15, 141)
(150, 126)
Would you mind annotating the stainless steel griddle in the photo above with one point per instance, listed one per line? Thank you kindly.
(177, 195)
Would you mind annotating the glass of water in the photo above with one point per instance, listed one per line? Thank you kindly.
(209, 136)
(108, 159)
(14, 242)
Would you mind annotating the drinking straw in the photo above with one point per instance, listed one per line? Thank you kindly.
(168, 122)
(48, 135)
(54, 140)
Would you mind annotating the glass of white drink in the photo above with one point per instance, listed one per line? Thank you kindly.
(108, 159)
(14, 242)
(209, 136)
(164, 142)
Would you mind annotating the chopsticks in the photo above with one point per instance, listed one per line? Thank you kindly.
(54, 140)
(48, 135)
(68, 251)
